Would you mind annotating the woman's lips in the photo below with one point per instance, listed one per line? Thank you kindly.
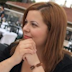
(26, 37)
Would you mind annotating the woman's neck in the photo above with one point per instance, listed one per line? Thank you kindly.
(40, 53)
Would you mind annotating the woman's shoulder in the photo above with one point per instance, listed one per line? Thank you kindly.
(65, 65)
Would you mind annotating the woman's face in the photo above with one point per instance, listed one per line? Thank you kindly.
(35, 28)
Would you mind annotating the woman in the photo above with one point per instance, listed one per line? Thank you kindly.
(41, 49)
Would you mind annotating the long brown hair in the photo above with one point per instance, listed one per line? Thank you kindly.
(55, 18)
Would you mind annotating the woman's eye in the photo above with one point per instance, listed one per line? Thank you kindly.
(34, 25)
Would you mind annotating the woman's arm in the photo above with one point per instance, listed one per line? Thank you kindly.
(7, 65)
(6, 62)
(24, 47)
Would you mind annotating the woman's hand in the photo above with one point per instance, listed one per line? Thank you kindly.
(23, 48)
(32, 59)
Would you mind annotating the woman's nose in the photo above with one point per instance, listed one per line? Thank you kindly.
(26, 28)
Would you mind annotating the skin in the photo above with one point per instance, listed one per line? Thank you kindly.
(35, 28)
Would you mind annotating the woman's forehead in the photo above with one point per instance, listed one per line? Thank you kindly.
(34, 15)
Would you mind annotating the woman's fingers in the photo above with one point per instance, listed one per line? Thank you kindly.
(26, 51)
(24, 47)
(29, 43)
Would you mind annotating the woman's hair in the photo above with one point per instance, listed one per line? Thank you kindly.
(55, 18)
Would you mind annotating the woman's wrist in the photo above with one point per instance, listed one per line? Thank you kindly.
(36, 60)
(13, 61)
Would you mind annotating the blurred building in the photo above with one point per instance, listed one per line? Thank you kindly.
(69, 17)
(18, 6)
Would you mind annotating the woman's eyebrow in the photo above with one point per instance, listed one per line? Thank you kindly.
(35, 22)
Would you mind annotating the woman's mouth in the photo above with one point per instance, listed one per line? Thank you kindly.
(26, 37)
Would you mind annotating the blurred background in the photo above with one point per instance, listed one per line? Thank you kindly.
(11, 14)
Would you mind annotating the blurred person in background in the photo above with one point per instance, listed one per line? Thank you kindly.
(2, 14)
(41, 48)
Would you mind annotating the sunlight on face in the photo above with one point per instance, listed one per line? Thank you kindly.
(35, 28)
